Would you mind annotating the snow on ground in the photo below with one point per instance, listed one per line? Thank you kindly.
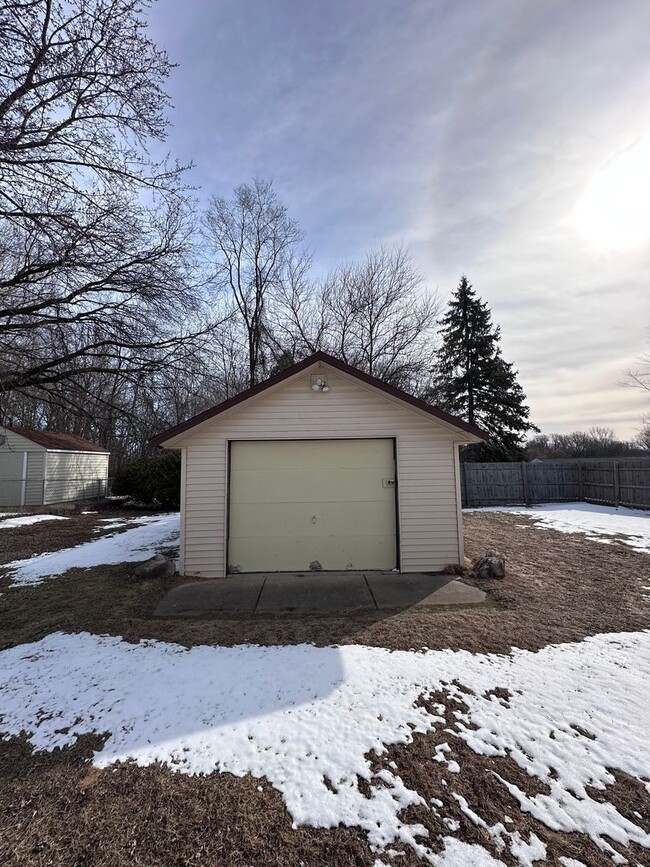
(597, 522)
(25, 520)
(149, 535)
(305, 718)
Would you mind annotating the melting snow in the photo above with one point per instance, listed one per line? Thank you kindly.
(597, 522)
(306, 718)
(25, 520)
(150, 535)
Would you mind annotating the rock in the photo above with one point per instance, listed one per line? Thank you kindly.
(157, 567)
(492, 565)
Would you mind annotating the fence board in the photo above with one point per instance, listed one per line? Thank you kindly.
(624, 482)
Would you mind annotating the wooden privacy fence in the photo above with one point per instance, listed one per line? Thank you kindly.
(624, 482)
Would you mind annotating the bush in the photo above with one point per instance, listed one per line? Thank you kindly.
(151, 479)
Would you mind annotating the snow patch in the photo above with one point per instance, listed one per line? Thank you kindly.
(26, 520)
(150, 535)
(596, 522)
(307, 718)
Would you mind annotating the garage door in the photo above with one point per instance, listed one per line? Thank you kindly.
(298, 503)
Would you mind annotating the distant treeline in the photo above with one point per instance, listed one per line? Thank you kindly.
(597, 442)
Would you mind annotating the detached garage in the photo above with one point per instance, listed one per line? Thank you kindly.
(321, 467)
(42, 467)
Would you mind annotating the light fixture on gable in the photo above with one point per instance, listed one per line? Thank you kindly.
(319, 383)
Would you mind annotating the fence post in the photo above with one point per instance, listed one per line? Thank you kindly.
(617, 484)
(581, 481)
(524, 482)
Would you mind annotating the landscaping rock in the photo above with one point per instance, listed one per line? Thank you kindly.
(492, 565)
(157, 567)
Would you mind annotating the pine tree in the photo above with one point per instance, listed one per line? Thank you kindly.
(474, 381)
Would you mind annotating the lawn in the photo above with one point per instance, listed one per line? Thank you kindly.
(377, 738)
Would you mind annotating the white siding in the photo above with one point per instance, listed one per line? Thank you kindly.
(11, 477)
(427, 490)
(11, 470)
(74, 476)
(35, 478)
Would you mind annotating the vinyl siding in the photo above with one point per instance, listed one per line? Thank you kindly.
(11, 470)
(35, 474)
(74, 476)
(427, 489)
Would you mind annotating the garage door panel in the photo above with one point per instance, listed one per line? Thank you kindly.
(329, 485)
(294, 502)
(272, 554)
(307, 454)
(310, 519)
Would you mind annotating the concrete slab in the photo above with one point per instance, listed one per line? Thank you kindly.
(315, 591)
(219, 594)
(392, 590)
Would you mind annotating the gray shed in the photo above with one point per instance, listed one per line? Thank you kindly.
(41, 467)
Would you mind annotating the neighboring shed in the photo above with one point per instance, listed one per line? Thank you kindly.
(323, 467)
(41, 467)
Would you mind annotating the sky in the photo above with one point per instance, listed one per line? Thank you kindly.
(508, 140)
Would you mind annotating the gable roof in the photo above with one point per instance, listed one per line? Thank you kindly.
(390, 390)
(59, 441)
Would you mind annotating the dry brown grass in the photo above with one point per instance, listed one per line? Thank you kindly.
(558, 588)
(487, 797)
(56, 810)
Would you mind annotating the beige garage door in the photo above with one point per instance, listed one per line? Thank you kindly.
(296, 503)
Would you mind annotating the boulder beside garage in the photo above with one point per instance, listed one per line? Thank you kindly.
(156, 567)
(491, 565)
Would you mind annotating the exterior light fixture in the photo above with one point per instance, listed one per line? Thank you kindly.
(319, 384)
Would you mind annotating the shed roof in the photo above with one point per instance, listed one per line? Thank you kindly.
(58, 441)
(390, 390)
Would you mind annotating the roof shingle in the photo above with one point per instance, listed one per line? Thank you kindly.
(60, 441)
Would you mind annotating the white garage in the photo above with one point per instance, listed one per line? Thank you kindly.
(43, 467)
(321, 467)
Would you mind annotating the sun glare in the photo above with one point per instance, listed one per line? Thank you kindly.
(614, 210)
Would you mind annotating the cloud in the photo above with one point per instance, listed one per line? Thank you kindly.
(470, 131)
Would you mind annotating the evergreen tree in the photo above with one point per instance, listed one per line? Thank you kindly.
(474, 381)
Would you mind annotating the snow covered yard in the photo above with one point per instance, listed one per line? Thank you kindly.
(602, 523)
(316, 722)
(143, 537)
(249, 745)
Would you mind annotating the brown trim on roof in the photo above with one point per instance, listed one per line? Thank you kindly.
(298, 368)
(59, 441)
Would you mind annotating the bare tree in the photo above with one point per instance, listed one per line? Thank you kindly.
(374, 314)
(95, 239)
(378, 317)
(253, 242)
(642, 438)
(300, 321)
(640, 376)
